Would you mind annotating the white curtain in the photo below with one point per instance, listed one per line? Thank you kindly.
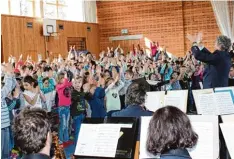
(90, 11)
(224, 17)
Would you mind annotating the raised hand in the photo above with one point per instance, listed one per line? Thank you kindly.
(39, 73)
(9, 68)
(116, 78)
(20, 58)
(65, 74)
(191, 38)
(99, 69)
(199, 37)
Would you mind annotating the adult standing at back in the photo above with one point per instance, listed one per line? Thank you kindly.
(217, 64)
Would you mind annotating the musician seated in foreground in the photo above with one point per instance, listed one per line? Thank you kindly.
(134, 101)
(170, 134)
(32, 133)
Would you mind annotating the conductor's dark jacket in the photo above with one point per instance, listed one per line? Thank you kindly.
(217, 67)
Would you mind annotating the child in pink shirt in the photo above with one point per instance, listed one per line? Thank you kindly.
(64, 102)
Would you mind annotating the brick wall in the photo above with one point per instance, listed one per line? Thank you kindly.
(165, 22)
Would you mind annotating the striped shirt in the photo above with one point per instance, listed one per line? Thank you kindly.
(10, 83)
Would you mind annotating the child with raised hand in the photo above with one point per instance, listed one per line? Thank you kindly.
(47, 86)
(113, 86)
(95, 97)
(32, 94)
(64, 101)
(9, 85)
(78, 105)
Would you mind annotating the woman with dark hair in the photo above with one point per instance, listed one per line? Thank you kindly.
(170, 133)
(33, 96)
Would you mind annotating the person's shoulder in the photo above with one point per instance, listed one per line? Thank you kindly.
(148, 113)
(121, 113)
(36, 156)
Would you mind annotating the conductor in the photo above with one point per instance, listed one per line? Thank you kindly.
(217, 64)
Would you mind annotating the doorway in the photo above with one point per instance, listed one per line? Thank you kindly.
(78, 42)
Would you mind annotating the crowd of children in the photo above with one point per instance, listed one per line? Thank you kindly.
(82, 86)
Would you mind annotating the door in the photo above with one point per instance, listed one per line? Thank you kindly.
(78, 42)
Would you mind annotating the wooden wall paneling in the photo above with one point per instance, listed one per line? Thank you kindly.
(70, 29)
(29, 38)
(92, 39)
(5, 35)
(18, 39)
(2, 54)
(81, 29)
(15, 28)
(39, 39)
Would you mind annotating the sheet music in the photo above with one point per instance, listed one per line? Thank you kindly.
(226, 89)
(219, 103)
(143, 138)
(154, 100)
(224, 103)
(205, 126)
(228, 118)
(204, 147)
(197, 93)
(227, 130)
(206, 104)
(98, 140)
(177, 99)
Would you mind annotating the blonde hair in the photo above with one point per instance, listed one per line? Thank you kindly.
(60, 77)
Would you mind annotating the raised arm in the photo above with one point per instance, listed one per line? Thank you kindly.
(9, 81)
(204, 55)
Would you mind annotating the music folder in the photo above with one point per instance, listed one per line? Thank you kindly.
(107, 138)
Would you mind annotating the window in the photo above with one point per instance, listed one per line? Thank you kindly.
(52, 9)
(26, 8)
(55, 9)
(4, 6)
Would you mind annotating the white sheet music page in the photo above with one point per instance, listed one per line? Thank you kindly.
(143, 138)
(204, 148)
(206, 126)
(227, 130)
(224, 103)
(98, 140)
(206, 104)
(228, 118)
(196, 94)
(154, 100)
(177, 99)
